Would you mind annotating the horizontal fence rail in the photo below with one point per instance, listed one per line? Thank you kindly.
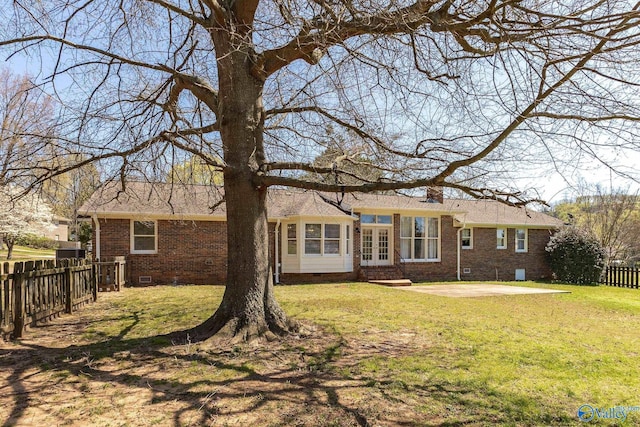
(36, 291)
(622, 277)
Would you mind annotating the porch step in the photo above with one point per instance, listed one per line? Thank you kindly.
(387, 275)
(397, 282)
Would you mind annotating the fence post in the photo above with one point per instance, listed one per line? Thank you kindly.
(19, 309)
(68, 287)
(94, 281)
(5, 290)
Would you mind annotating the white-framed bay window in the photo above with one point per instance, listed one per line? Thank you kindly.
(419, 238)
(522, 240)
(144, 237)
(292, 239)
(322, 239)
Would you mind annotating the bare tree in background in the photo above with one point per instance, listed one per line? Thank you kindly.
(436, 90)
(612, 216)
(28, 125)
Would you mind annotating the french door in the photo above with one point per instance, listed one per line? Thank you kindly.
(376, 246)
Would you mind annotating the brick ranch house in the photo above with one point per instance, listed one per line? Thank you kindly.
(177, 234)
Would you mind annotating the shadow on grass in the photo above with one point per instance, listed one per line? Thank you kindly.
(297, 381)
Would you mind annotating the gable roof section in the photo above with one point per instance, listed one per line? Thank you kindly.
(162, 200)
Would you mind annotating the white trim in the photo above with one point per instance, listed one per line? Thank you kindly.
(322, 239)
(470, 246)
(287, 239)
(504, 238)
(426, 239)
(161, 216)
(526, 240)
(375, 248)
(132, 238)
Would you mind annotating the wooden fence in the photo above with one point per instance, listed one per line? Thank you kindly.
(622, 277)
(36, 291)
(110, 274)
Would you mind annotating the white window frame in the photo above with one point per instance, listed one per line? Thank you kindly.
(133, 238)
(525, 240)
(503, 238)
(326, 239)
(291, 240)
(462, 238)
(322, 239)
(375, 219)
(347, 240)
(426, 239)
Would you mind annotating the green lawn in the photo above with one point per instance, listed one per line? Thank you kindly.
(21, 253)
(382, 355)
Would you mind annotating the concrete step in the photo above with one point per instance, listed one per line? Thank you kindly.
(396, 282)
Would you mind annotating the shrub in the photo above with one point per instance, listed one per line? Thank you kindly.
(36, 242)
(576, 256)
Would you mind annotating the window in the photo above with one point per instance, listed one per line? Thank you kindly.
(348, 240)
(322, 239)
(332, 239)
(292, 239)
(313, 239)
(466, 238)
(376, 219)
(419, 238)
(501, 238)
(144, 237)
(521, 240)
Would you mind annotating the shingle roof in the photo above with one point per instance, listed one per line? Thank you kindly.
(358, 201)
(155, 199)
(493, 213)
(195, 201)
(160, 199)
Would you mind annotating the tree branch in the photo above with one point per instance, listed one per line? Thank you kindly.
(529, 111)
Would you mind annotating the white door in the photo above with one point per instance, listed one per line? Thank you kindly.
(376, 246)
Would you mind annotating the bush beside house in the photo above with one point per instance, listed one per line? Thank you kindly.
(576, 256)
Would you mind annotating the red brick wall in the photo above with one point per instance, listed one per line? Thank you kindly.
(196, 252)
(188, 251)
(486, 262)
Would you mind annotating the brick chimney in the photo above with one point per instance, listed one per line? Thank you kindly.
(435, 194)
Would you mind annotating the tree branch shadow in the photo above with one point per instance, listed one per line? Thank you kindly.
(311, 380)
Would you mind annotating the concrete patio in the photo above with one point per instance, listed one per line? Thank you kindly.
(478, 290)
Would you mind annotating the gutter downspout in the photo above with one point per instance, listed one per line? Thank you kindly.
(458, 253)
(97, 242)
(277, 250)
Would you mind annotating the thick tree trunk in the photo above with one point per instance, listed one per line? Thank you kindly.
(10, 244)
(248, 309)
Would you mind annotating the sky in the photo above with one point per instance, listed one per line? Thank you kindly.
(552, 187)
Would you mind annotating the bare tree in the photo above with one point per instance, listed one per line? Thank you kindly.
(612, 216)
(437, 90)
(28, 121)
(66, 192)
